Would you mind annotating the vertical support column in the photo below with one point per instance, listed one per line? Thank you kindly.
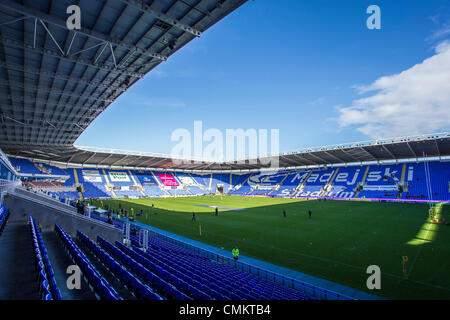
(2, 195)
(87, 211)
(145, 240)
(141, 237)
(127, 240)
(428, 181)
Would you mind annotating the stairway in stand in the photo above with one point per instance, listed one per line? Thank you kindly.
(17, 269)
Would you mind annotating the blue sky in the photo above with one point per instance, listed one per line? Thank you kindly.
(311, 69)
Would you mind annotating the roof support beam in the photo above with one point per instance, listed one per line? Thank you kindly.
(71, 43)
(93, 155)
(71, 157)
(14, 20)
(370, 155)
(339, 160)
(52, 37)
(42, 89)
(20, 145)
(388, 151)
(30, 70)
(144, 162)
(78, 106)
(112, 53)
(118, 160)
(101, 52)
(38, 124)
(317, 157)
(195, 167)
(149, 64)
(437, 147)
(351, 156)
(61, 23)
(44, 51)
(303, 160)
(411, 149)
(155, 164)
(106, 158)
(109, 77)
(142, 6)
(86, 49)
(12, 119)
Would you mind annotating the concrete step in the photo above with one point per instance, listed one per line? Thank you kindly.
(121, 289)
(60, 260)
(18, 276)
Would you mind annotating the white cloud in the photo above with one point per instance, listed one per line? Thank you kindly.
(442, 33)
(415, 101)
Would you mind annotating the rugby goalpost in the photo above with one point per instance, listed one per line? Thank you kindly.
(431, 211)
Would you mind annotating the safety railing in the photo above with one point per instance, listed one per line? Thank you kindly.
(7, 186)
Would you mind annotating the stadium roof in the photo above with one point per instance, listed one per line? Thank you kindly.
(431, 146)
(54, 81)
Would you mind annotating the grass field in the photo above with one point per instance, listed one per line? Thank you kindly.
(340, 241)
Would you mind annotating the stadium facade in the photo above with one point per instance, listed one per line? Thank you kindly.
(395, 169)
(55, 81)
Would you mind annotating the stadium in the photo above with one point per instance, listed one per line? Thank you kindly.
(150, 226)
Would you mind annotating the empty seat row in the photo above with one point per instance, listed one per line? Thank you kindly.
(4, 215)
(194, 271)
(140, 290)
(191, 269)
(151, 279)
(193, 276)
(213, 275)
(178, 276)
(219, 280)
(190, 287)
(48, 288)
(101, 288)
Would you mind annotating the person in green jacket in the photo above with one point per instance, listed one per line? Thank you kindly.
(235, 253)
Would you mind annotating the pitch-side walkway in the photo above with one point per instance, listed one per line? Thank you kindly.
(18, 277)
(321, 283)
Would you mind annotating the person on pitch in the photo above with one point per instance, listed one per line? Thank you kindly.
(235, 253)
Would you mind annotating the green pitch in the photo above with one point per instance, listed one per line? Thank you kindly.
(338, 243)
